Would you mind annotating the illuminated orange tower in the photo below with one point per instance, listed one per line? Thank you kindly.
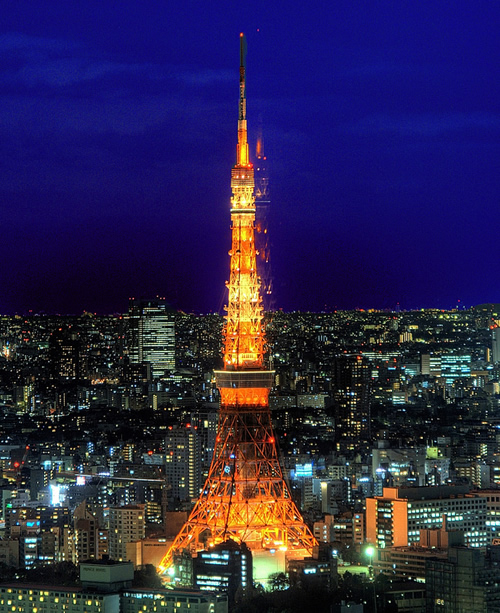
(245, 497)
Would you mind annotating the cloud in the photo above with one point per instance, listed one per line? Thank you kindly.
(425, 124)
(375, 68)
(31, 46)
(206, 77)
(67, 71)
(37, 118)
(31, 62)
(54, 86)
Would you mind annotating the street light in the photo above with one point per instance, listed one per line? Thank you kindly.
(370, 552)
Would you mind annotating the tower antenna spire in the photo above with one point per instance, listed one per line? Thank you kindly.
(242, 156)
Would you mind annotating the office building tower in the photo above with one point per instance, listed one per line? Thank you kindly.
(245, 497)
(455, 366)
(430, 364)
(151, 335)
(205, 421)
(65, 354)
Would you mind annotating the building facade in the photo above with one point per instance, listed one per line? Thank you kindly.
(183, 462)
(226, 567)
(467, 581)
(352, 397)
(151, 335)
(126, 525)
(396, 518)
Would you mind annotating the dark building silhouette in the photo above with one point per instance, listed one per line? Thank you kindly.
(352, 395)
(226, 567)
(65, 355)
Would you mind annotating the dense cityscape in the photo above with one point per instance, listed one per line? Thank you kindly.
(109, 420)
(285, 450)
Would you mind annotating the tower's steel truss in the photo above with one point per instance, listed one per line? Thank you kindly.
(245, 496)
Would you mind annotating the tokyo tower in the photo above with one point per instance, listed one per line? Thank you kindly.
(245, 497)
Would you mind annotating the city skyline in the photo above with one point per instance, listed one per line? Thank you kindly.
(380, 126)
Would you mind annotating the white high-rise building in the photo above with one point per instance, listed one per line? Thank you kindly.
(495, 345)
(126, 525)
(183, 462)
(151, 335)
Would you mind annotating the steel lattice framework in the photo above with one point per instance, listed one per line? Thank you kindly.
(245, 497)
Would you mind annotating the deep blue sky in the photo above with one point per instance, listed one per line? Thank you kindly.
(118, 132)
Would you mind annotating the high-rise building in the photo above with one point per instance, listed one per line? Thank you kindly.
(65, 354)
(449, 366)
(495, 345)
(183, 462)
(430, 364)
(245, 497)
(86, 529)
(324, 530)
(126, 525)
(492, 512)
(151, 335)
(352, 397)
(205, 421)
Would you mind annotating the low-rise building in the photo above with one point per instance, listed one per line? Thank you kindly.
(106, 588)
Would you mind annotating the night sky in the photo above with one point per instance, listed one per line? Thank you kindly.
(118, 128)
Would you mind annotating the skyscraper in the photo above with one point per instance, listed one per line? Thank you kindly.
(151, 335)
(352, 395)
(245, 497)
